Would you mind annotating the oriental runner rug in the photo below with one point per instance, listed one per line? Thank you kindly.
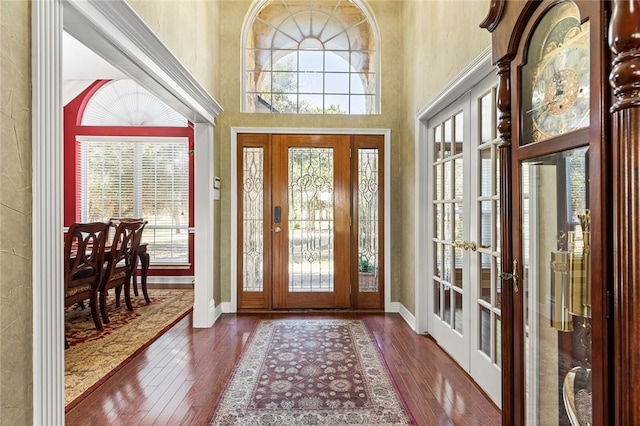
(310, 372)
(93, 356)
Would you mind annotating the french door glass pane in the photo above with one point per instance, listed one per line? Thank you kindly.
(488, 228)
(498, 341)
(457, 309)
(252, 219)
(368, 223)
(311, 242)
(485, 331)
(557, 289)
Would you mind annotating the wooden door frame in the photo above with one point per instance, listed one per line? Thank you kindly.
(232, 305)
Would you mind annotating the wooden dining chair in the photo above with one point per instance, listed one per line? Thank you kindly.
(84, 249)
(143, 257)
(121, 261)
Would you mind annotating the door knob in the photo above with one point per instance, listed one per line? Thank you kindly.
(277, 229)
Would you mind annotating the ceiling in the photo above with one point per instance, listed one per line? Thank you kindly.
(81, 67)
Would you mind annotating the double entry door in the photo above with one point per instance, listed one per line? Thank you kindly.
(310, 221)
(465, 292)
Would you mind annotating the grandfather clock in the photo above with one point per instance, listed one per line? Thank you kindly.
(569, 105)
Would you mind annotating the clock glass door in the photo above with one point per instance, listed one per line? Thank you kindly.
(556, 289)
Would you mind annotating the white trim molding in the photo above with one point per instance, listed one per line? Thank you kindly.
(47, 207)
(232, 305)
(204, 304)
(114, 31)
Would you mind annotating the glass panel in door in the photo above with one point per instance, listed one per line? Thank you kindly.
(254, 225)
(368, 223)
(311, 225)
(557, 288)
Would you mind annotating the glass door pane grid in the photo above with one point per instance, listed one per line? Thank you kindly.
(489, 301)
(448, 206)
(252, 219)
(311, 227)
(368, 222)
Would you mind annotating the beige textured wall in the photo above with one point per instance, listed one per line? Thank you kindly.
(387, 13)
(191, 30)
(15, 213)
(440, 39)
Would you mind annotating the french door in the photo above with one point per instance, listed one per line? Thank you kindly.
(310, 221)
(465, 291)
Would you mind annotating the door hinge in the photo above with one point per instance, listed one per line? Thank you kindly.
(349, 152)
(609, 303)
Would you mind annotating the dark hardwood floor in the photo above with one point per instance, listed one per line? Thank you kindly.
(178, 378)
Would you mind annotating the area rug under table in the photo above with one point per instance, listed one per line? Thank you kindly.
(94, 356)
(310, 372)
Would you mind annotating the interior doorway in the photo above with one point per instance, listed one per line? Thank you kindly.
(310, 221)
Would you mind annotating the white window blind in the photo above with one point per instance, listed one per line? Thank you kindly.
(143, 178)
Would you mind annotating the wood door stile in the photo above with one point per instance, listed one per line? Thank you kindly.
(340, 297)
(369, 299)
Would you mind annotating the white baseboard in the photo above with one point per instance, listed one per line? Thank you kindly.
(408, 317)
(227, 308)
(217, 312)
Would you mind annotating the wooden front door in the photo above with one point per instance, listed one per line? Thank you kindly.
(299, 244)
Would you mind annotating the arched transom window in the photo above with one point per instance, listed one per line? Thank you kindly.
(311, 57)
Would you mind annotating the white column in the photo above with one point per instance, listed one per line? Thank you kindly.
(204, 304)
(47, 237)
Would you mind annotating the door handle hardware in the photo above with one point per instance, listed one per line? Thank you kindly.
(514, 276)
(461, 244)
(466, 245)
(277, 229)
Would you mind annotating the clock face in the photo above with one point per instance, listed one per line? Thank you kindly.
(555, 79)
(560, 92)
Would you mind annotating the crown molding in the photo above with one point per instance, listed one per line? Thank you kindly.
(116, 32)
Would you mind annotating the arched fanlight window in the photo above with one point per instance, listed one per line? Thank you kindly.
(126, 103)
(123, 173)
(311, 57)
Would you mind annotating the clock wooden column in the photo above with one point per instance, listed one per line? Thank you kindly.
(553, 62)
(624, 41)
